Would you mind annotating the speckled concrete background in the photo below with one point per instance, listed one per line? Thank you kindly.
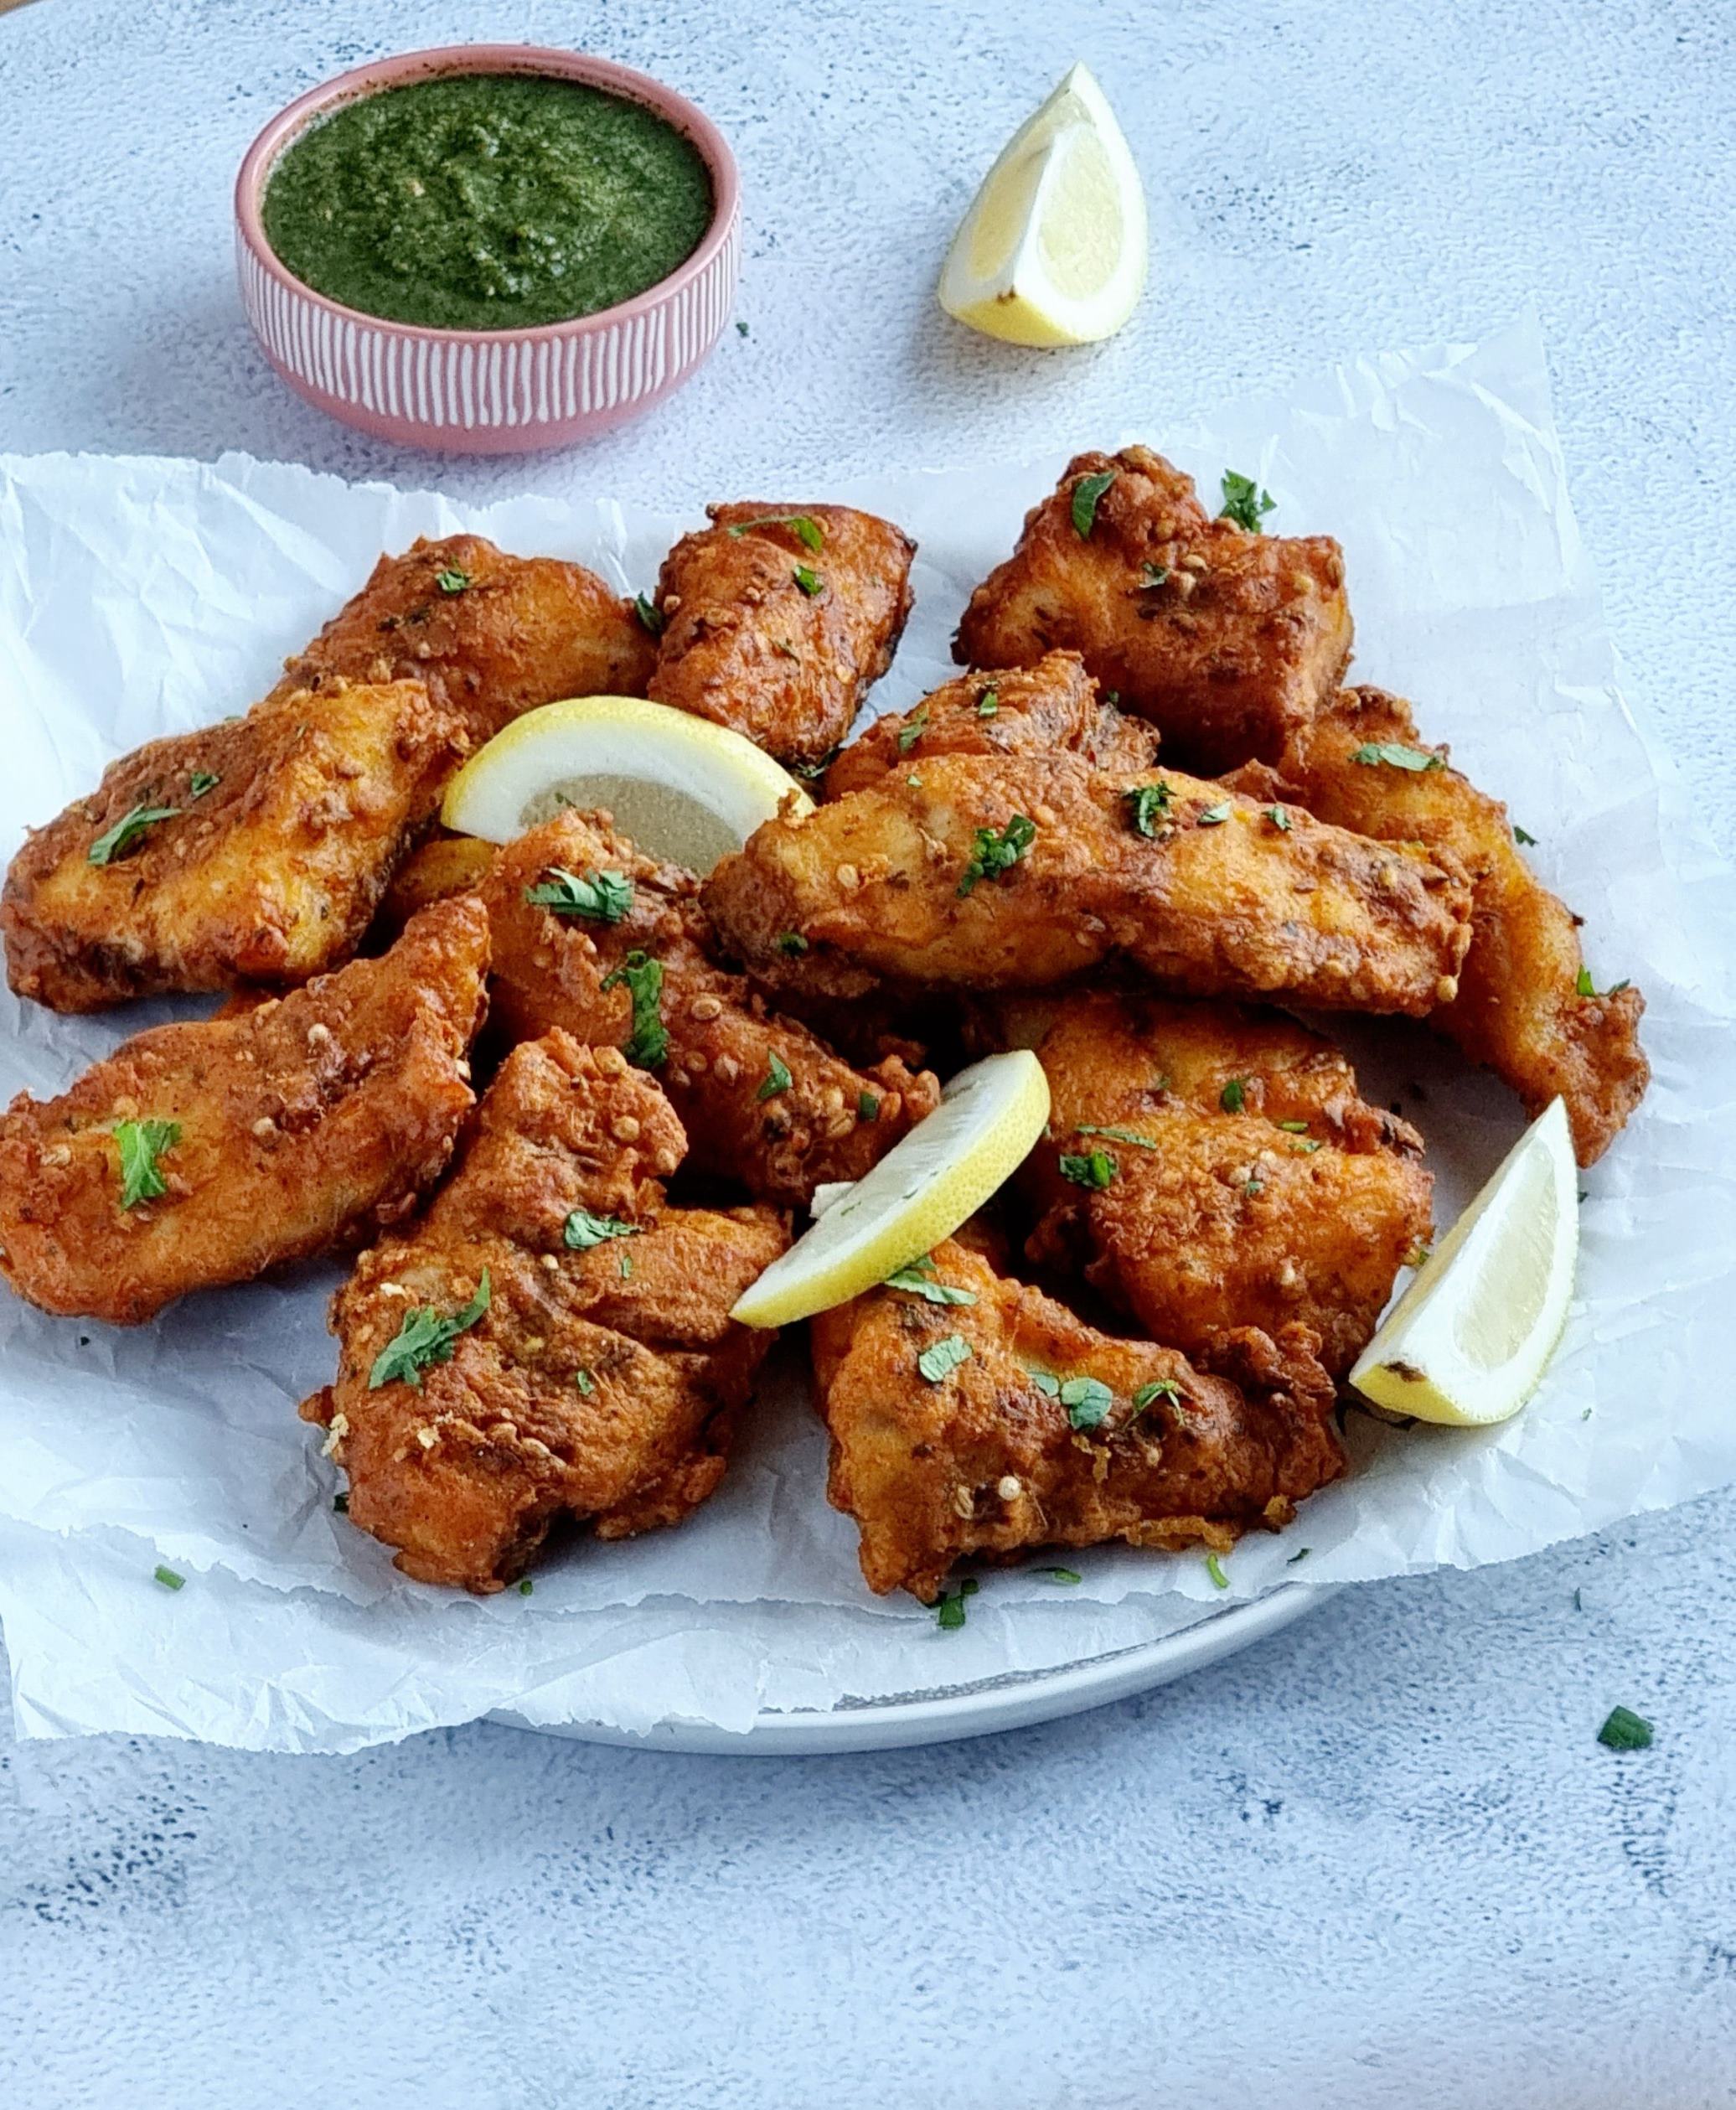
(1379, 1861)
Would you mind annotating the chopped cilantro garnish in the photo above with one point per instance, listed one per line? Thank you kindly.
(1279, 819)
(1117, 1135)
(1623, 1730)
(586, 1382)
(810, 581)
(867, 1107)
(624, 1268)
(1301, 1554)
(425, 1338)
(1151, 575)
(1214, 1568)
(949, 1612)
(806, 529)
(115, 842)
(141, 1144)
(1065, 1576)
(603, 897)
(1234, 1095)
(943, 1356)
(1293, 1128)
(583, 1230)
(1145, 802)
(809, 772)
(202, 781)
(451, 580)
(792, 943)
(918, 1279)
(991, 855)
(1395, 756)
(1586, 987)
(1087, 492)
(526, 1586)
(1093, 1169)
(777, 1079)
(1213, 815)
(649, 614)
(649, 1041)
(1524, 835)
(1244, 502)
(988, 703)
(1156, 1389)
(912, 730)
(1088, 1401)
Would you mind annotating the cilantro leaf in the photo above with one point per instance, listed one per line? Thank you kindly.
(1395, 756)
(1524, 835)
(806, 529)
(1233, 1098)
(1213, 816)
(586, 1382)
(1214, 1568)
(1279, 819)
(451, 580)
(949, 1612)
(1244, 502)
(1151, 575)
(810, 581)
(649, 1042)
(1145, 801)
(792, 943)
(1087, 494)
(141, 1144)
(1094, 1169)
(1623, 1730)
(649, 614)
(583, 1230)
(1117, 1135)
(867, 1107)
(202, 781)
(918, 1279)
(777, 1079)
(991, 855)
(603, 897)
(115, 842)
(425, 1338)
(1088, 1401)
(1147, 1395)
(912, 730)
(1067, 1576)
(988, 703)
(937, 1361)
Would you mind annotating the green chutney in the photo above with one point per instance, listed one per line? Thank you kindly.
(488, 201)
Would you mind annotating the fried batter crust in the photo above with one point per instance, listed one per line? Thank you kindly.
(271, 874)
(1048, 708)
(726, 1049)
(1519, 1009)
(302, 1121)
(985, 1462)
(1227, 641)
(519, 632)
(1221, 1219)
(746, 644)
(600, 1384)
(1219, 900)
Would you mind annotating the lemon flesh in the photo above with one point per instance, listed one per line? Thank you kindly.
(926, 1186)
(1053, 249)
(682, 789)
(1469, 1342)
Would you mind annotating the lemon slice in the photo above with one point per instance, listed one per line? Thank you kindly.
(1052, 250)
(684, 788)
(1469, 1342)
(919, 1193)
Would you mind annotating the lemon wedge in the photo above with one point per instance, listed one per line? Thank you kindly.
(1052, 250)
(1469, 1340)
(684, 788)
(919, 1193)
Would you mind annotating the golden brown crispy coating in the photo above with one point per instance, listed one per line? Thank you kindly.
(269, 871)
(899, 882)
(764, 1101)
(1519, 1009)
(1042, 709)
(299, 1123)
(601, 1382)
(777, 639)
(1244, 1181)
(517, 633)
(435, 871)
(1227, 640)
(986, 1458)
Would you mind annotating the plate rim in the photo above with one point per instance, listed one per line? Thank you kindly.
(1020, 1700)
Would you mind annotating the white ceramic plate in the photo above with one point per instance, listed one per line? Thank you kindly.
(971, 1710)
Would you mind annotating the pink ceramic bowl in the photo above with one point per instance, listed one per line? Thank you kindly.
(489, 391)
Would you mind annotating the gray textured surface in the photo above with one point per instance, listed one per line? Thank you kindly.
(1379, 1861)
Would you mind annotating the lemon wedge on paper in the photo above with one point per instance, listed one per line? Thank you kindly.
(1052, 250)
(920, 1192)
(1469, 1340)
(684, 788)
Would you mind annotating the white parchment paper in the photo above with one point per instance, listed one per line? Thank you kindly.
(139, 597)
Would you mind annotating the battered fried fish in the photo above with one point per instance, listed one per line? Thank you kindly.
(1227, 640)
(255, 849)
(593, 936)
(550, 1341)
(1051, 707)
(1208, 1168)
(1003, 1422)
(204, 1154)
(490, 635)
(1020, 872)
(1525, 1007)
(778, 619)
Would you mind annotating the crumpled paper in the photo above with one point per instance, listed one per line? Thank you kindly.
(139, 597)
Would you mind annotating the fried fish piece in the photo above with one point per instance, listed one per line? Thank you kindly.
(1525, 1007)
(491, 635)
(1207, 1167)
(203, 1154)
(1020, 872)
(777, 619)
(255, 849)
(1048, 708)
(577, 1359)
(1227, 640)
(1004, 1422)
(435, 871)
(590, 934)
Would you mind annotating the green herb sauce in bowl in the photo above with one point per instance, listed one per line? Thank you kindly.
(488, 201)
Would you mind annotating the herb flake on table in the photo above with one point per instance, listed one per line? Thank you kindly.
(941, 1357)
(777, 1079)
(1524, 835)
(141, 1144)
(167, 1577)
(426, 1338)
(949, 1611)
(993, 855)
(1065, 1576)
(1214, 1568)
(1147, 804)
(115, 842)
(1087, 495)
(602, 897)
(1244, 502)
(1393, 754)
(583, 1230)
(648, 1043)
(1623, 1730)
(803, 526)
